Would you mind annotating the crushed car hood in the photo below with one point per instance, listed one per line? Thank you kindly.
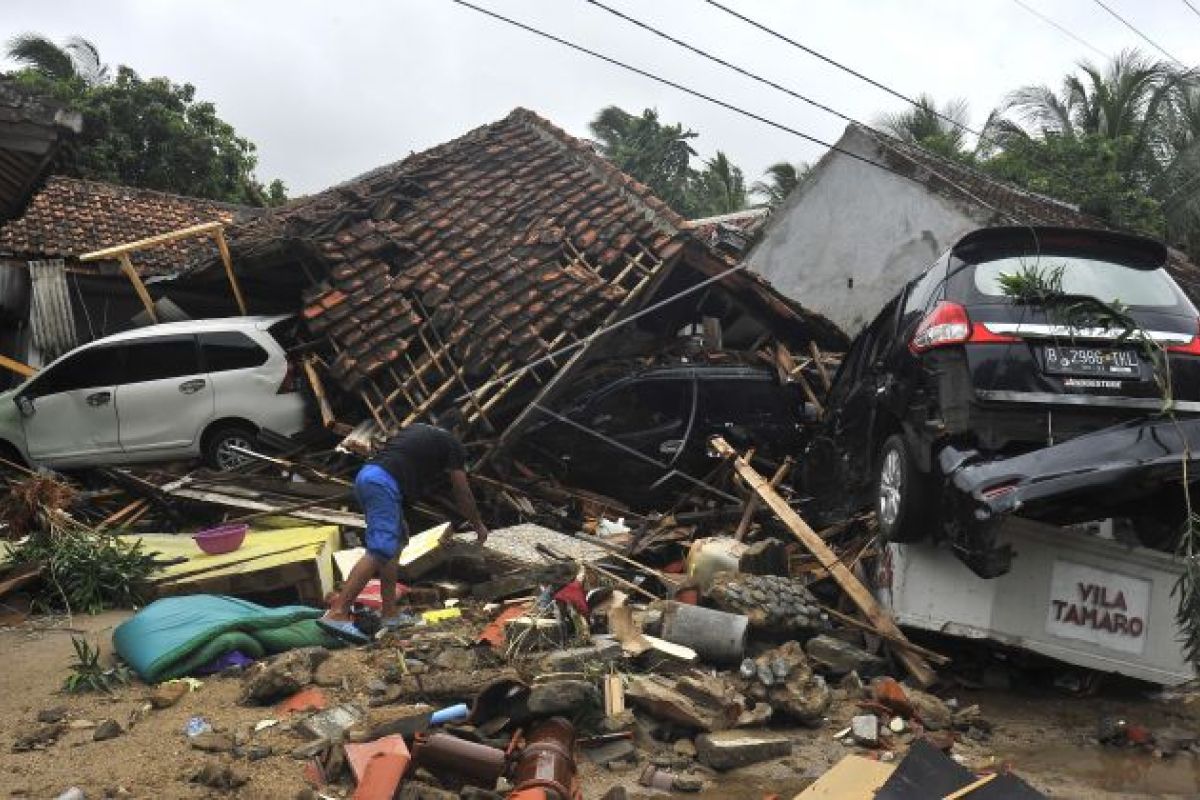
(1099, 474)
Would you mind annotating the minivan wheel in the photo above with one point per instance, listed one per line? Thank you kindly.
(218, 445)
(902, 497)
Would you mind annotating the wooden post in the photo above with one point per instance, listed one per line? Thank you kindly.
(138, 286)
(878, 617)
(816, 354)
(753, 501)
(16, 366)
(223, 246)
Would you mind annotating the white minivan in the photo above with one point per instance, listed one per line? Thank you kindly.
(163, 392)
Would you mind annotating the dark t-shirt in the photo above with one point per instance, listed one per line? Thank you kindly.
(419, 457)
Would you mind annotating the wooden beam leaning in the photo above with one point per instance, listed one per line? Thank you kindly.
(151, 241)
(223, 247)
(138, 286)
(753, 501)
(12, 365)
(862, 598)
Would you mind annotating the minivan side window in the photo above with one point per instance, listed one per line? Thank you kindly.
(85, 369)
(161, 357)
(226, 350)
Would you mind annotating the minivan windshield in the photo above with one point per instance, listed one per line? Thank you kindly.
(1089, 277)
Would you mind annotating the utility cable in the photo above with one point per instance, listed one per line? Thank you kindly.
(844, 68)
(1195, 10)
(1065, 31)
(1146, 38)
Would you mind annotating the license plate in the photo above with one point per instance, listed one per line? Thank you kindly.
(1092, 361)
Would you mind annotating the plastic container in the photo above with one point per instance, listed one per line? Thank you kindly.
(716, 636)
(223, 539)
(453, 713)
(707, 558)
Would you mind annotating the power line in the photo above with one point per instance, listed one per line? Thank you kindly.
(1065, 31)
(842, 67)
(1195, 10)
(727, 105)
(1146, 38)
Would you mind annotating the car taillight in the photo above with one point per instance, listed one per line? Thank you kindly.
(949, 323)
(291, 381)
(1192, 348)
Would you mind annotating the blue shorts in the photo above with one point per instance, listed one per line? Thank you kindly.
(380, 498)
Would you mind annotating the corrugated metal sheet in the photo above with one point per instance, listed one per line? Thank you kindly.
(14, 291)
(50, 315)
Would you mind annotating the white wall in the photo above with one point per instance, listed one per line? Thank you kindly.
(851, 220)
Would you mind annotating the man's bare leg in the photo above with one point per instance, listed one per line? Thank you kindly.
(389, 573)
(367, 567)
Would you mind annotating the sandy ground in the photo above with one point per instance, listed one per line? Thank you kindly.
(1044, 736)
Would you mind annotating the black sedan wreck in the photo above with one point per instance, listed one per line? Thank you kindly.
(1053, 373)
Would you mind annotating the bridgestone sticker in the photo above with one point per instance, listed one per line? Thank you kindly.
(1098, 606)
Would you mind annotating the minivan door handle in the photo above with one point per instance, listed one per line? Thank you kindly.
(192, 386)
(96, 399)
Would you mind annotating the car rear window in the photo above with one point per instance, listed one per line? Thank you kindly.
(226, 350)
(1103, 280)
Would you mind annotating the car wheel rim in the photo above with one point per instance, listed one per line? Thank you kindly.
(227, 457)
(891, 478)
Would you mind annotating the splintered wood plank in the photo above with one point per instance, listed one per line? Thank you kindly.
(854, 589)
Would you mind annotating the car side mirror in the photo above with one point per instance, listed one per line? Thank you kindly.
(25, 405)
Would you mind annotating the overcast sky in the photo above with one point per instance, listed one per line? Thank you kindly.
(331, 88)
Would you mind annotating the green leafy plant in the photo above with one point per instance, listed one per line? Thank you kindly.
(88, 674)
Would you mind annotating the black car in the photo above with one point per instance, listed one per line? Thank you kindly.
(1019, 371)
(640, 434)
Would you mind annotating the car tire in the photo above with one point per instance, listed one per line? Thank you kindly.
(215, 448)
(903, 497)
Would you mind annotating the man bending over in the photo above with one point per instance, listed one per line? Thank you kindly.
(404, 470)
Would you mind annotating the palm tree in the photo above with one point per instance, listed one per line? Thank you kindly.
(1130, 98)
(781, 179)
(658, 155)
(75, 58)
(941, 130)
(719, 188)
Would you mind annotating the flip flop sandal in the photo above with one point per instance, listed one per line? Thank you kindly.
(344, 630)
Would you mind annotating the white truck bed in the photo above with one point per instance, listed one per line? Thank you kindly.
(1074, 597)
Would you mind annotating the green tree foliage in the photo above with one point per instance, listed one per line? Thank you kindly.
(719, 188)
(932, 128)
(781, 178)
(146, 132)
(658, 155)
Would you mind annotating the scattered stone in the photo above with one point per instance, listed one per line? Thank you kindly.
(211, 742)
(620, 722)
(853, 685)
(403, 720)
(783, 679)
(724, 750)
(257, 752)
(579, 659)
(376, 686)
(335, 671)
(934, 714)
(52, 715)
(685, 748)
(310, 750)
(1171, 740)
(942, 740)
(166, 695)
(865, 730)
(687, 783)
(37, 736)
(896, 725)
(217, 776)
(107, 729)
(332, 723)
(616, 793)
(458, 659)
(771, 603)
(891, 695)
(283, 676)
(839, 657)
(621, 750)
(562, 697)
(661, 698)
(476, 793)
(416, 790)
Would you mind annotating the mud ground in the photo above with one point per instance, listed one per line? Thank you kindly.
(1044, 736)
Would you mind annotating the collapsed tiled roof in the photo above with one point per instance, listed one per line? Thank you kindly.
(730, 233)
(1008, 204)
(70, 217)
(32, 129)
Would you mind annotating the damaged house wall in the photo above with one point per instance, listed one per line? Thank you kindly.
(851, 234)
(440, 279)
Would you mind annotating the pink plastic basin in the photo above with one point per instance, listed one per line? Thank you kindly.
(223, 539)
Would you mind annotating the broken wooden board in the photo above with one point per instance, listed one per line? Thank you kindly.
(917, 667)
(852, 778)
(232, 498)
(291, 558)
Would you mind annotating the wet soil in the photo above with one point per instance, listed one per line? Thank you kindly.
(1044, 736)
